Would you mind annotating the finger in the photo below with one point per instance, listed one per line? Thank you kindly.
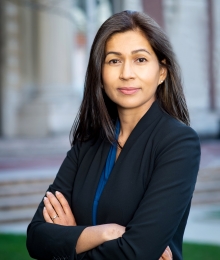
(169, 251)
(50, 210)
(166, 255)
(46, 216)
(64, 203)
(55, 204)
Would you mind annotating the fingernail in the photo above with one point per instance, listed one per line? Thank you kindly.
(57, 192)
(48, 193)
(44, 208)
(45, 198)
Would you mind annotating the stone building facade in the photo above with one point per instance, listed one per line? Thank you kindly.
(44, 55)
(187, 24)
(37, 94)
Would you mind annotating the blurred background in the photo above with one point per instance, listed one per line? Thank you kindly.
(44, 49)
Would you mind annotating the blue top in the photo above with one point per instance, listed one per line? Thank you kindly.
(105, 173)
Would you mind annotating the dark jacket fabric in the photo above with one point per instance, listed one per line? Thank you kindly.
(149, 191)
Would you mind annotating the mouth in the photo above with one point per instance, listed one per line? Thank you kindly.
(128, 90)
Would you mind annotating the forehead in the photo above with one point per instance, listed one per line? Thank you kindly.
(129, 40)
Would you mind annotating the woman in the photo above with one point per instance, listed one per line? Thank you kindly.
(129, 178)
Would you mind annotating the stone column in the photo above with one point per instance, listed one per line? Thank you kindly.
(117, 6)
(1, 60)
(10, 71)
(154, 8)
(186, 23)
(53, 106)
(133, 5)
(91, 23)
(216, 61)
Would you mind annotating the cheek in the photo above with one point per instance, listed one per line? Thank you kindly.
(150, 74)
(109, 78)
(106, 76)
(105, 79)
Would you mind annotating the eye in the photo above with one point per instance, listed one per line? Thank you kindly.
(113, 61)
(140, 60)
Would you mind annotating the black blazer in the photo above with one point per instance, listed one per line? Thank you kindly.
(149, 191)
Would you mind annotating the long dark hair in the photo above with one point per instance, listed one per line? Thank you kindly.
(97, 112)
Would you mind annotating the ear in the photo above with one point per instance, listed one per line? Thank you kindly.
(163, 72)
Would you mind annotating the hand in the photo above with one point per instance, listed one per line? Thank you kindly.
(167, 254)
(57, 210)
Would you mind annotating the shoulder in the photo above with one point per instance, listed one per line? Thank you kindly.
(171, 134)
(162, 125)
(169, 127)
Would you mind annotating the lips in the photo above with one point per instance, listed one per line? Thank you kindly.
(128, 90)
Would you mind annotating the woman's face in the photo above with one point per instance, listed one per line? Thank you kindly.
(131, 71)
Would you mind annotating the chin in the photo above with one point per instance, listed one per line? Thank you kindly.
(145, 105)
(129, 106)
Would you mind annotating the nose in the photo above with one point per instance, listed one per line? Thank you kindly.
(127, 71)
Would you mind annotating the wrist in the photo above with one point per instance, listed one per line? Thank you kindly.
(105, 232)
(112, 231)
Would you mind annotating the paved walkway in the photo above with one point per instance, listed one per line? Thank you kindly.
(38, 156)
(203, 225)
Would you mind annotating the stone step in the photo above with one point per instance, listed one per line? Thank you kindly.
(27, 175)
(207, 186)
(206, 198)
(209, 174)
(21, 201)
(22, 191)
(18, 215)
(25, 214)
(17, 189)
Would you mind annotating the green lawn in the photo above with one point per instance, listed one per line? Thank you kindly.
(200, 252)
(12, 247)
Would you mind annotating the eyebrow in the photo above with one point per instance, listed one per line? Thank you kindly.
(133, 52)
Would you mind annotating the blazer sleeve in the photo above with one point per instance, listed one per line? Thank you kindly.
(162, 207)
(49, 241)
